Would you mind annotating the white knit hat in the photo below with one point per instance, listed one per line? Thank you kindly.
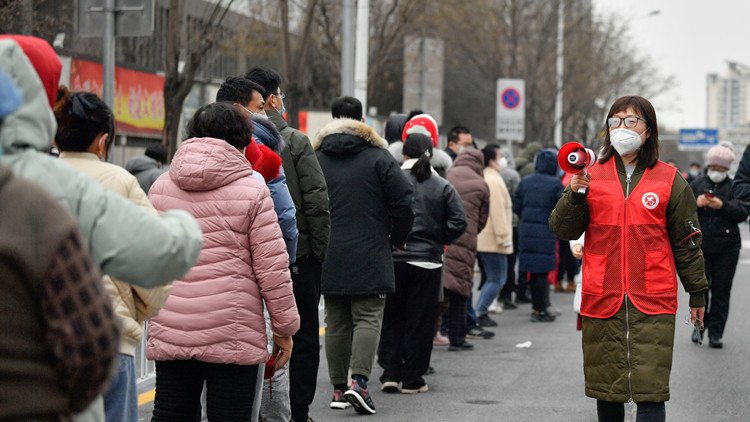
(721, 155)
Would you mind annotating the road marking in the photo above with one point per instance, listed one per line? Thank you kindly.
(146, 397)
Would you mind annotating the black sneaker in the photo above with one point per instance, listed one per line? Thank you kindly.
(479, 333)
(715, 342)
(360, 399)
(542, 316)
(418, 386)
(523, 299)
(389, 386)
(339, 401)
(508, 305)
(485, 321)
(460, 347)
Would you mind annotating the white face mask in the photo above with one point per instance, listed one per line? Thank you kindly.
(261, 115)
(717, 176)
(503, 163)
(625, 141)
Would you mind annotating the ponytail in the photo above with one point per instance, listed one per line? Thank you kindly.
(420, 147)
(81, 116)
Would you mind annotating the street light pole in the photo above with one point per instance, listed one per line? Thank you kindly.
(348, 16)
(559, 68)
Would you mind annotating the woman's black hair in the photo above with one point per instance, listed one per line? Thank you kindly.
(420, 147)
(81, 116)
(648, 153)
(490, 153)
(221, 120)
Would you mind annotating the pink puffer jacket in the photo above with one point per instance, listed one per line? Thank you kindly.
(215, 313)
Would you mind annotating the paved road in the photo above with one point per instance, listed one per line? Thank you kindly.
(500, 382)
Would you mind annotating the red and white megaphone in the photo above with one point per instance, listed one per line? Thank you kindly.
(574, 158)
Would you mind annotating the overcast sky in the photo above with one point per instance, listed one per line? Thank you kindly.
(688, 39)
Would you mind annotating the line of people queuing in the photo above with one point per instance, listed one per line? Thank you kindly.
(228, 252)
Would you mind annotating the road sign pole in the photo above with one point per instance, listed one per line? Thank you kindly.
(108, 50)
(559, 72)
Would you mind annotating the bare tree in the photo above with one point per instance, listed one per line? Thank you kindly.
(517, 39)
(293, 67)
(191, 46)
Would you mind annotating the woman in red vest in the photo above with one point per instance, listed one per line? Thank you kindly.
(639, 216)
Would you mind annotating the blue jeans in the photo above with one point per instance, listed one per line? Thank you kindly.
(495, 265)
(121, 399)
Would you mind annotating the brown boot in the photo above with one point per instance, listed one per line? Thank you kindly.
(571, 287)
(559, 287)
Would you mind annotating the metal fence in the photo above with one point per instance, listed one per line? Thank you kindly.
(145, 370)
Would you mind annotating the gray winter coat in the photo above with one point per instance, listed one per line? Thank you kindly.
(145, 169)
(127, 242)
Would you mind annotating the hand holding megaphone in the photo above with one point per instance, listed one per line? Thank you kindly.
(574, 158)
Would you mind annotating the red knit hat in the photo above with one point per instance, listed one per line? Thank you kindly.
(423, 124)
(264, 160)
(45, 61)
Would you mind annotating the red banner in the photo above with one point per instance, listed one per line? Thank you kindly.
(139, 96)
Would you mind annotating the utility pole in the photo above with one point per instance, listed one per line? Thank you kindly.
(361, 53)
(559, 96)
(108, 53)
(348, 16)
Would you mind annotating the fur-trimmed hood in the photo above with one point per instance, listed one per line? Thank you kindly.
(266, 133)
(343, 137)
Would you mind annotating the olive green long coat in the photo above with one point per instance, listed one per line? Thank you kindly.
(629, 355)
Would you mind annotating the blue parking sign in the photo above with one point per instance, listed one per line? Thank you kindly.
(697, 139)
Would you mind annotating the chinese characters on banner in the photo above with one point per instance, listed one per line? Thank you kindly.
(139, 96)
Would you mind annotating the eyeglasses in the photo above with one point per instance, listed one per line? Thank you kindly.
(613, 122)
(280, 95)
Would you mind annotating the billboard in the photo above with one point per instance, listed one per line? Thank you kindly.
(139, 96)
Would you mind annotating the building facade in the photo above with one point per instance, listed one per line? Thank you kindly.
(728, 98)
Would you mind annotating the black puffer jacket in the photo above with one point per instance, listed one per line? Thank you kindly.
(439, 218)
(720, 227)
(371, 208)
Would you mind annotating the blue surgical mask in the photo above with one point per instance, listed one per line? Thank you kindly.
(461, 149)
(283, 109)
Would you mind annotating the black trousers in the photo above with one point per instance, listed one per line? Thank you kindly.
(720, 268)
(303, 366)
(408, 324)
(510, 282)
(539, 291)
(567, 264)
(608, 411)
(457, 317)
(230, 390)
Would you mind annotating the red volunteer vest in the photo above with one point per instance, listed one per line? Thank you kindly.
(627, 247)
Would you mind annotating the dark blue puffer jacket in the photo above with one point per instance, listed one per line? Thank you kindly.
(534, 200)
(265, 133)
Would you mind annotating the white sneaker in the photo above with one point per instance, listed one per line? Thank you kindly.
(496, 307)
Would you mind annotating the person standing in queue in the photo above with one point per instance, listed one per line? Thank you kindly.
(639, 215)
